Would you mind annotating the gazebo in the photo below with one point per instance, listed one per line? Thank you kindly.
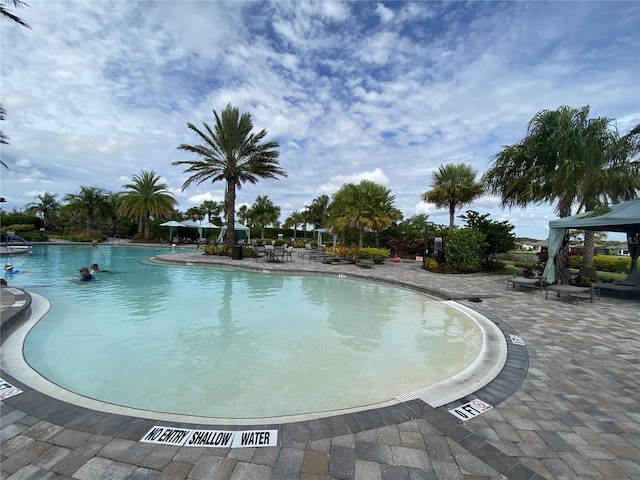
(621, 217)
(242, 233)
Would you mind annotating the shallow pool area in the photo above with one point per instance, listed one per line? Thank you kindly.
(219, 342)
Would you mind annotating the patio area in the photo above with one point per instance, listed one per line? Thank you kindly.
(574, 411)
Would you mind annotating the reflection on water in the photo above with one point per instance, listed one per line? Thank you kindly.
(221, 342)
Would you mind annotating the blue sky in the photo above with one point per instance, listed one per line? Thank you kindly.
(97, 91)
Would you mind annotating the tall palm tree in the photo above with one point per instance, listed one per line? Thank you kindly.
(453, 186)
(263, 212)
(47, 207)
(366, 206)
(230, 152)
(89, 204)
(570, 161)
(4, 139)
(6, 13)
(145, 198)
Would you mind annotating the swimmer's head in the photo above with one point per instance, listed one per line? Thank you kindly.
(8, 268)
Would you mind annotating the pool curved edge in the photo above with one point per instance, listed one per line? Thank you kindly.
(120, 422)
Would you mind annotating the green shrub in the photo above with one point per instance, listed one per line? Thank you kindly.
(378, 255)
(297, 244)
(18, 227)
(603, 263)
(464, 250)
(209, 250)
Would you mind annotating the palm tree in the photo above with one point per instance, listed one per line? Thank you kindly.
(212, 210)
(196, 214)
(318, 211)
(570, 161)
(293, 220)
(366, 206)
(243, 215)
(230, 152)
(5, 13)
(47, 207)
(89, 204)
(453, 186)
(112, 206)
(146, 198)
(4, 139)
(263, 212)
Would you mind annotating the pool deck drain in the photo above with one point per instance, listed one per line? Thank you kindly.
(565, 406)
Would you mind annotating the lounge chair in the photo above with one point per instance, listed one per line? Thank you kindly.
(365, 263)
(531, 283)
(571, 290)
(288, 253)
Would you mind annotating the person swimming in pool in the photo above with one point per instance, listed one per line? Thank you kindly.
(85, 276)
(8, 268)
(96, 269)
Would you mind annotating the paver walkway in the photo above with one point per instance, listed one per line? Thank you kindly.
(576, 414)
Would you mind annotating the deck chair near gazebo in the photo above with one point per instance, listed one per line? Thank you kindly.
(622, 217)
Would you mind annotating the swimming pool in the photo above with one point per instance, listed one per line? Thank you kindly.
(217, 342)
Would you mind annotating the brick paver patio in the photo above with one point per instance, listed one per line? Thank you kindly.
(568, 407)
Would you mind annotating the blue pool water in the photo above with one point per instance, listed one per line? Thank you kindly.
(226, 343)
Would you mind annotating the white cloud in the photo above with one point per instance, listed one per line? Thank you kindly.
(386, 92)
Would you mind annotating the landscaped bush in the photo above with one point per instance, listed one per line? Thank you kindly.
(604, 263)
(297, 244)
(350, 252)
(465, 250)
(34, 237)
(18, 227)
(378, 255)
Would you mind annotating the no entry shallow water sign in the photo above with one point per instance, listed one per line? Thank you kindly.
(182, 437)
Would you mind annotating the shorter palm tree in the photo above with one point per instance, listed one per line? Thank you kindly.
(293, 221)
(47, 207)
(145, 198)
(453, 186)
(263, 212)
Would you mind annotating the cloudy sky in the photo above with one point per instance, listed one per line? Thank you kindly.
(97, 91)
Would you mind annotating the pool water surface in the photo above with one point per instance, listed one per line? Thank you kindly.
(216, 342)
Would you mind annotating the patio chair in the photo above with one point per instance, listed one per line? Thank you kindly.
(288, 253)
(258, 253)
(278, 254)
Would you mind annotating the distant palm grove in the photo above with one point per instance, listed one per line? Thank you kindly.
(574, 162)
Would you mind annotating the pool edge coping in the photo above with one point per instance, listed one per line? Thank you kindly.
(507, 382)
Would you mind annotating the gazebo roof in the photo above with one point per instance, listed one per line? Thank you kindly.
(622, 217)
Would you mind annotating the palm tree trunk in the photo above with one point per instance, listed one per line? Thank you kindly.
(361, 238)
(230, 205)
(452, 214)
(587, 269)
